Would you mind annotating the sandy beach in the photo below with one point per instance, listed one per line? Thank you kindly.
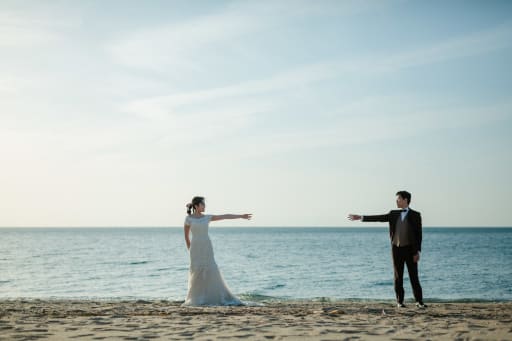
(166, 320)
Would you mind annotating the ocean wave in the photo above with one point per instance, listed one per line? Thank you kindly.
(275, 286)
(383, 283)
(140, 262)
(258, 297)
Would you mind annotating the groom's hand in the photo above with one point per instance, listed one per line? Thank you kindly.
(416, 258)
(354, 217)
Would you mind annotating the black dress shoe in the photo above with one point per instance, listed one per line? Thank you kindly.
(421, 305)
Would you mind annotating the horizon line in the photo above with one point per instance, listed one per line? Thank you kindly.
(289, 226)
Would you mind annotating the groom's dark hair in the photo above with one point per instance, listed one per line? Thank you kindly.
(405, 195)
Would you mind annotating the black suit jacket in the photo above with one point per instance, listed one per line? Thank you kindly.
(413, 218)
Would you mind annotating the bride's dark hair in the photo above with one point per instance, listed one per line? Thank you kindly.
(191, 207)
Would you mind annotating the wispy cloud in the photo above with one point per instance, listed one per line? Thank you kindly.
(468, 45)
(373, 120)
(159, 47)
(160, 107)
(182, 44)
(29, 29)
(471, 44)
(215, 113)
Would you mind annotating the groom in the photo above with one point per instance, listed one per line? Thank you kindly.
(405, 234)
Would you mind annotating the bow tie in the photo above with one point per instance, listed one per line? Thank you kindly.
(404, 210)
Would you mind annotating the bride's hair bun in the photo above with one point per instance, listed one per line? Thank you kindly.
(195, 201)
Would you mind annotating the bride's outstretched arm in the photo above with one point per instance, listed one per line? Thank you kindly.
(247, 216)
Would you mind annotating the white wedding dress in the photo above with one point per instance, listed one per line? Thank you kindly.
(205, 283)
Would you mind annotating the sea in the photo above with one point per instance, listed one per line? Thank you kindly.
(258, 264)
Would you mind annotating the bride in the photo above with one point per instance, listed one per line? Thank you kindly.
(205, 283)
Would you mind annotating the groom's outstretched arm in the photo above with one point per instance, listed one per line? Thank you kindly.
(381, 218)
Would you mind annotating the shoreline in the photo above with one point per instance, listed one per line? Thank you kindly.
(267, 300)
(62, 319)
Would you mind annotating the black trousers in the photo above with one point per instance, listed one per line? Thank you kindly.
(404, 255)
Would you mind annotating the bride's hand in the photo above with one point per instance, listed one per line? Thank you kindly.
(247, 216)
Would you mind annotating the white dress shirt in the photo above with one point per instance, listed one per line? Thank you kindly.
(404, 212)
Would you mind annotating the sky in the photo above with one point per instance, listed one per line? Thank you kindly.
(117, 113)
